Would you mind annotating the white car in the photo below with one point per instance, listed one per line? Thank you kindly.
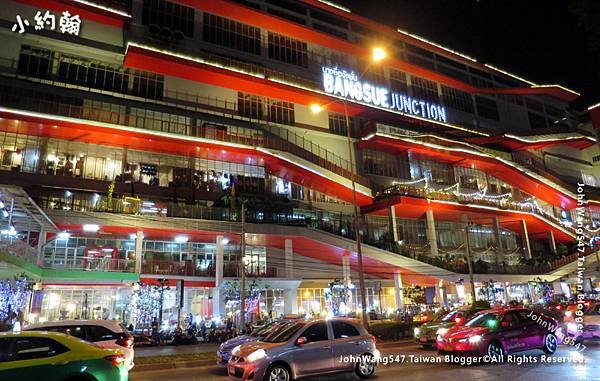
(104, 333)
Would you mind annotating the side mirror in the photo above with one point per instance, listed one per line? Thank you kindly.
(301, 340)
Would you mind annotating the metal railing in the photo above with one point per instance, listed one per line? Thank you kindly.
(167, 267)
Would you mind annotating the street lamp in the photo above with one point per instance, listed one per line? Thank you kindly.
(378, 54)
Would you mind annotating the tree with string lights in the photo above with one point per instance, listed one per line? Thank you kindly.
(14, 296)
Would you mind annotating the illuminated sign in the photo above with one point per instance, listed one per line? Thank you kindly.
(348, 85)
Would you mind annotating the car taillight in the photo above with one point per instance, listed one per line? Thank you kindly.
(374, 338)
(125, 341)
(115, 359)
(458, 320)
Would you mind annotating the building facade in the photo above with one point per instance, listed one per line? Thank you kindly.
(132, 132)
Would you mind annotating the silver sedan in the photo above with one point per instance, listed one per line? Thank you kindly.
(306, 348)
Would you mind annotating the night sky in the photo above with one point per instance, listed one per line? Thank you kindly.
(539, 40)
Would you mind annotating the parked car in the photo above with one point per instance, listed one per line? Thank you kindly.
(307, 348)
(426, 334)
(591, 325)
(224, 351)
(496, 333)
(53, 356)
(104, 333)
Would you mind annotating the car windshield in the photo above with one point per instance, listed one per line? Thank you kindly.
(449, 317)
(487, 319)
(283, 333)
(268, 328)
(440, 316)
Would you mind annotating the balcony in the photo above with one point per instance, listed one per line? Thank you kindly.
(183, 268)
(91, 263)
(271, 134)
(528, 206)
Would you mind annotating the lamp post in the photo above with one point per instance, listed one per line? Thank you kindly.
(469, 263)
(378, 54)
(243, 271)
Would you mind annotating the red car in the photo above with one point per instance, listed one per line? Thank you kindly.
(496, 333)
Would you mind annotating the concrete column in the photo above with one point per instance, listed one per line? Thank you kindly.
(431, 233)
(399, 294)
(42, 239)
(551, 241)
(506, 295)
(139, 240)
(440, 294)
(346, 268)
(497, 240)
(289, 259)
(392, 222)
(525, 239)
(497, 236)
(218, 301)
(290, 301)
(218, 263)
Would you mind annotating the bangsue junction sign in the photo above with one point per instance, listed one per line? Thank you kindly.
(348, 85)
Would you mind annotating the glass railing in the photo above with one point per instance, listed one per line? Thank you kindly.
(91, 264)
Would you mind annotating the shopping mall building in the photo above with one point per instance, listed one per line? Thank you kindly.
(132, 131)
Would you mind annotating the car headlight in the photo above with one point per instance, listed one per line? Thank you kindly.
(256, 355)
(572, 327)
(235, 350)
(475, 339)
(417, 331)
(569, 313)
(442, 331)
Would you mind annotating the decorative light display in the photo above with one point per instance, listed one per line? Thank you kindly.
(337, 295)
(145, 304)
(14, 295)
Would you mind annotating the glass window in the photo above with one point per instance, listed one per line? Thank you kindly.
(169, 15)
(316, 332)
(342, 330)
(288, 50)
(231, 34)
(5, 353)
(99, 333)
(35, 62)
(487, 108)
(27, 348)
(425, 89)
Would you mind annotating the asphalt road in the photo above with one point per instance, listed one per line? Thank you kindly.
(409, 365)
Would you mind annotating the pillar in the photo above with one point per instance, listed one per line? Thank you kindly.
(289, 259)
(398, 288)
(551, 241)
(525, 239)
(218, 297)
(497, 239)
(219, 262)
(346, 268)
(139, 240)
(290, 301)
(440, 294)
(506, 295)
(42, 239)
(431, 233)
(393, 224)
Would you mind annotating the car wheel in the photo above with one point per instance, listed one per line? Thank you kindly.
(495, 350)
(365, 367)
(550, 344)
(277, 372)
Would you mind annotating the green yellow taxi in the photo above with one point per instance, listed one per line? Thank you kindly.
(53, 356)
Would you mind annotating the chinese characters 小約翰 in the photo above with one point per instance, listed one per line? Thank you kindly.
(67, 24)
